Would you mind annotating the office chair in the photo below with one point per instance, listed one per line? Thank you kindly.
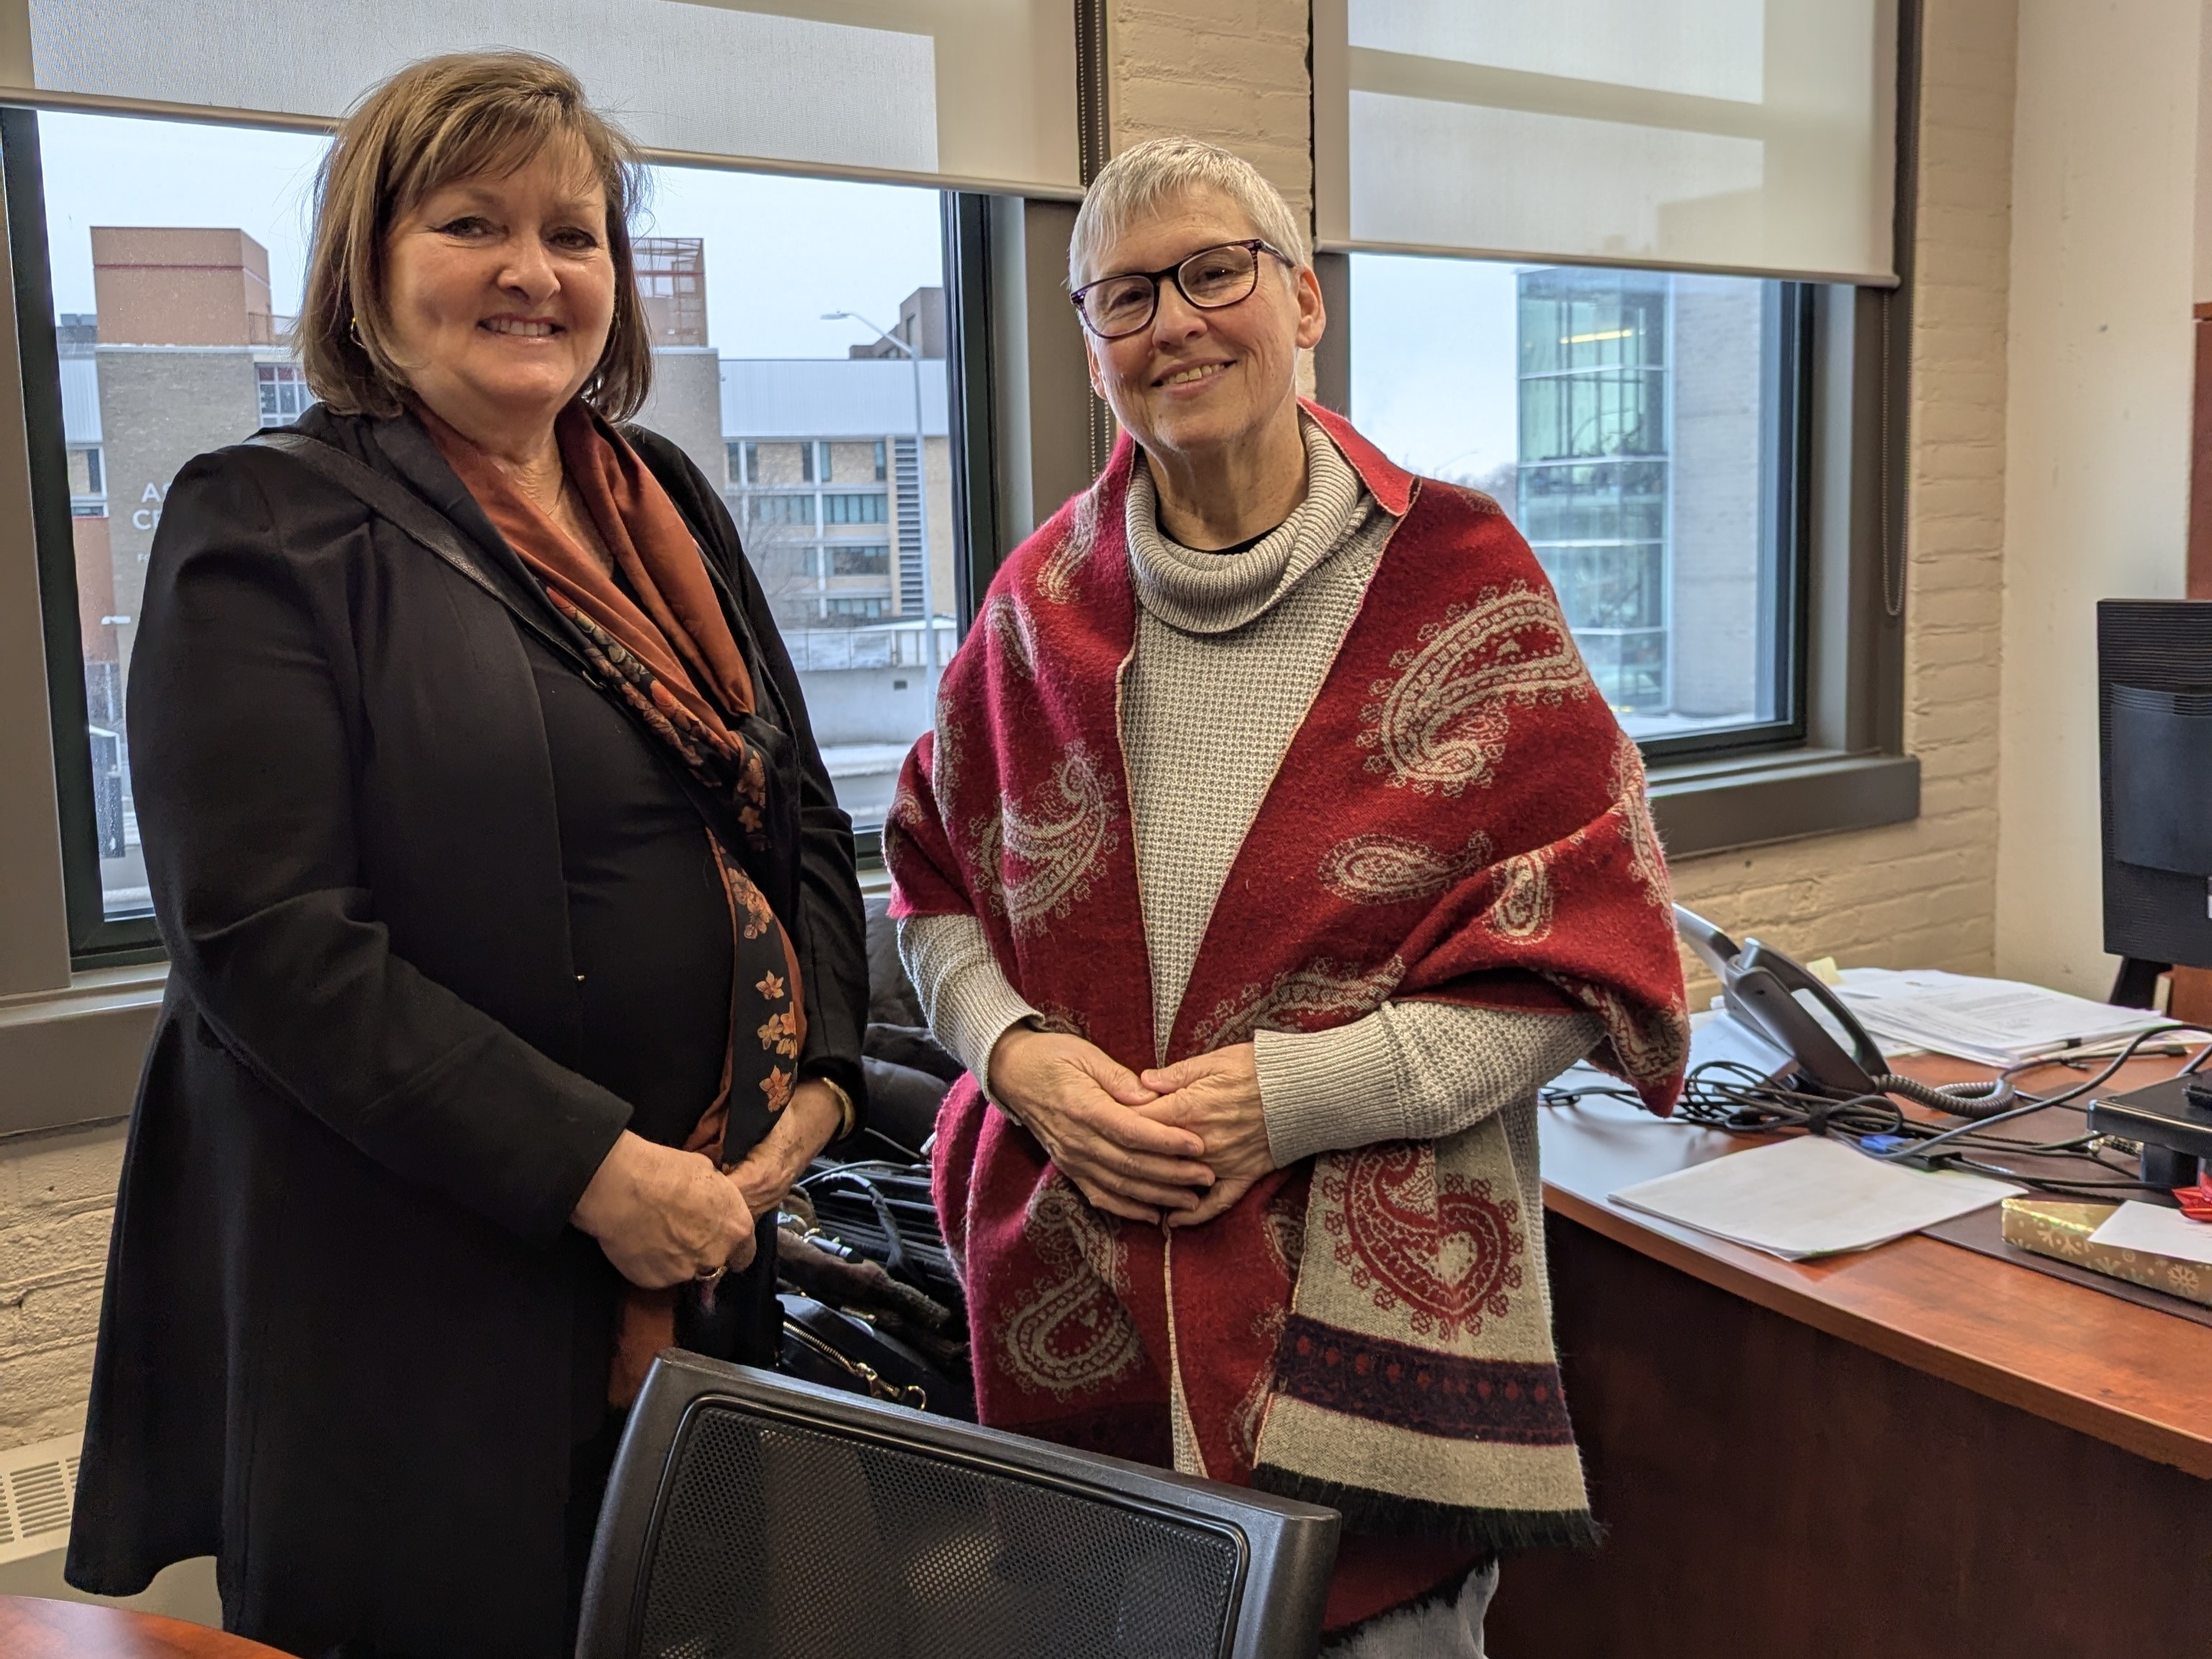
(757, 1518)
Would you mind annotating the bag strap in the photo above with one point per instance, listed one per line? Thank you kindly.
(414, 517)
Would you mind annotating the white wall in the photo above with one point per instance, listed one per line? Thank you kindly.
(2097, 428)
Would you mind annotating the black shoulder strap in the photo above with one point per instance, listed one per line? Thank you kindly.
(387, 499)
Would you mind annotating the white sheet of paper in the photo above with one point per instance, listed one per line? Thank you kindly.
(1809, 1196)
(2157, 1229)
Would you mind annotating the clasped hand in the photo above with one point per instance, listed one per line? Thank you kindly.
(664, 1215)
(1181, 1143)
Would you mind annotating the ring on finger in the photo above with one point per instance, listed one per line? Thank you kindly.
(712, 1275)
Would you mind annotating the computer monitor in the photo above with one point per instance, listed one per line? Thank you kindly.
(2154, 765)
(754, 1516)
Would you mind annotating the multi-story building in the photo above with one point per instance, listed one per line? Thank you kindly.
(847, 515)
(838, 496)
(1639, 479)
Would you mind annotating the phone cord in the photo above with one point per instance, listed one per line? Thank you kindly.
(1971, 1100)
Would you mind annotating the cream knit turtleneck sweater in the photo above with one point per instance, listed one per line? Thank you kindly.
(1231, 650)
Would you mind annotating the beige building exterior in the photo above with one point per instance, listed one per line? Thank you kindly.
(181, 288)
(184, 332)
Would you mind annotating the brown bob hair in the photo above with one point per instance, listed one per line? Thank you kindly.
(440, 120)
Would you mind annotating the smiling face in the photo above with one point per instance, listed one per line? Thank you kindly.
(501, 293)
(1196, 386)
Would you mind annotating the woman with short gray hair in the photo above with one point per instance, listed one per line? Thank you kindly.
(1271, 848)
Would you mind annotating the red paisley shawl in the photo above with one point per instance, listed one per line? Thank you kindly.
(1459, 818)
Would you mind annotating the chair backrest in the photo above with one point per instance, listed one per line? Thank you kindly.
(758, 1517)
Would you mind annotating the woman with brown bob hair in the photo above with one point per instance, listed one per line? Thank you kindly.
(517, 955)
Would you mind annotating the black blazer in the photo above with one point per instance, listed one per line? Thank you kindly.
(340, 1342)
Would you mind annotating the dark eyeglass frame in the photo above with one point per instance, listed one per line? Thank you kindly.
(1255, 246)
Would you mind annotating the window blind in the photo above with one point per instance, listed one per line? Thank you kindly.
(1752, 136)
(965, 91)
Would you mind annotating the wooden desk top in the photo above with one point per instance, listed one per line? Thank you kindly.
(2130, 1375)
(31, 1627)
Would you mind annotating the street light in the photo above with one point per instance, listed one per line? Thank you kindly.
(921, 474)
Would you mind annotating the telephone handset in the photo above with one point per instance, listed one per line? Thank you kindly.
(1761, 986)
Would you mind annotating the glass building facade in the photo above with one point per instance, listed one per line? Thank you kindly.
(1595, 422)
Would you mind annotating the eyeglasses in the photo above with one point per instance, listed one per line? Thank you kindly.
(1213, 277)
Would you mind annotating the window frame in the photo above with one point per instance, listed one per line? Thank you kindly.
(95, 940)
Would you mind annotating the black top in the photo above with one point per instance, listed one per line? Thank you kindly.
(346, 1324)
(648, 924)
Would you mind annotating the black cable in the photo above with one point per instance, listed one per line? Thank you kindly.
(1980, 1100)
(1727, 1096)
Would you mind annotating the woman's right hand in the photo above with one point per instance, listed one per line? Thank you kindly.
(1077, 1099)
(664, 1215)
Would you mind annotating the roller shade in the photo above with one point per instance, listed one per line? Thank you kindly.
(1752, 136)
(970, 91)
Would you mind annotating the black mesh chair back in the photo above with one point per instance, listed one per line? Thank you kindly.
(750, 1517)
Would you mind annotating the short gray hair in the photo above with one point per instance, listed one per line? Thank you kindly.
(1141, 180)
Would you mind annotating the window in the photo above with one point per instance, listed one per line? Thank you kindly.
(1639, 429)
(853, 509)
(284, 395)
(152, 367)
(782, 509)
(865, 561)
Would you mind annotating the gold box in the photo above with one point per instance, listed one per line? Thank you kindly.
(2060, 1228)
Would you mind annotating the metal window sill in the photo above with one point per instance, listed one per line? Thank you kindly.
(1752, 800)
(71, 1058)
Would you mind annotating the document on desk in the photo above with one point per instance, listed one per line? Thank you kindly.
(1809, 1196)
(1993, 1022)
(2156, 1230)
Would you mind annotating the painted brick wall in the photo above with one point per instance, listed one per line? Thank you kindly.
(1229, 71)
(57, 1200)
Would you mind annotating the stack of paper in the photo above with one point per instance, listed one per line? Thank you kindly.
(1809, 1197)
(1995, 1022)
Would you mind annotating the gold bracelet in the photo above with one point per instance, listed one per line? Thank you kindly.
(847, 1115)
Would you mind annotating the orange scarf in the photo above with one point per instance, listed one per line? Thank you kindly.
(675, 624)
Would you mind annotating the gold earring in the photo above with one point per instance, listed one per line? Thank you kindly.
(353, 328)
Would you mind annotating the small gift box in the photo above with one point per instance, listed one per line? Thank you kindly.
(2060, 1229)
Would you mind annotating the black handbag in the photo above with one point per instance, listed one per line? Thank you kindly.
(841, 1350)
(870, 1301)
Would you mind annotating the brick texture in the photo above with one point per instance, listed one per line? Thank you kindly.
(56, 1202)
(1229, 71)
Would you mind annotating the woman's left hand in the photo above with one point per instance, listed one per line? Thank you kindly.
(1217, 1098)
(802, 1129)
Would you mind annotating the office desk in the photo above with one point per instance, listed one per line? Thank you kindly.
(34, 1628)
(1914, 1452)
